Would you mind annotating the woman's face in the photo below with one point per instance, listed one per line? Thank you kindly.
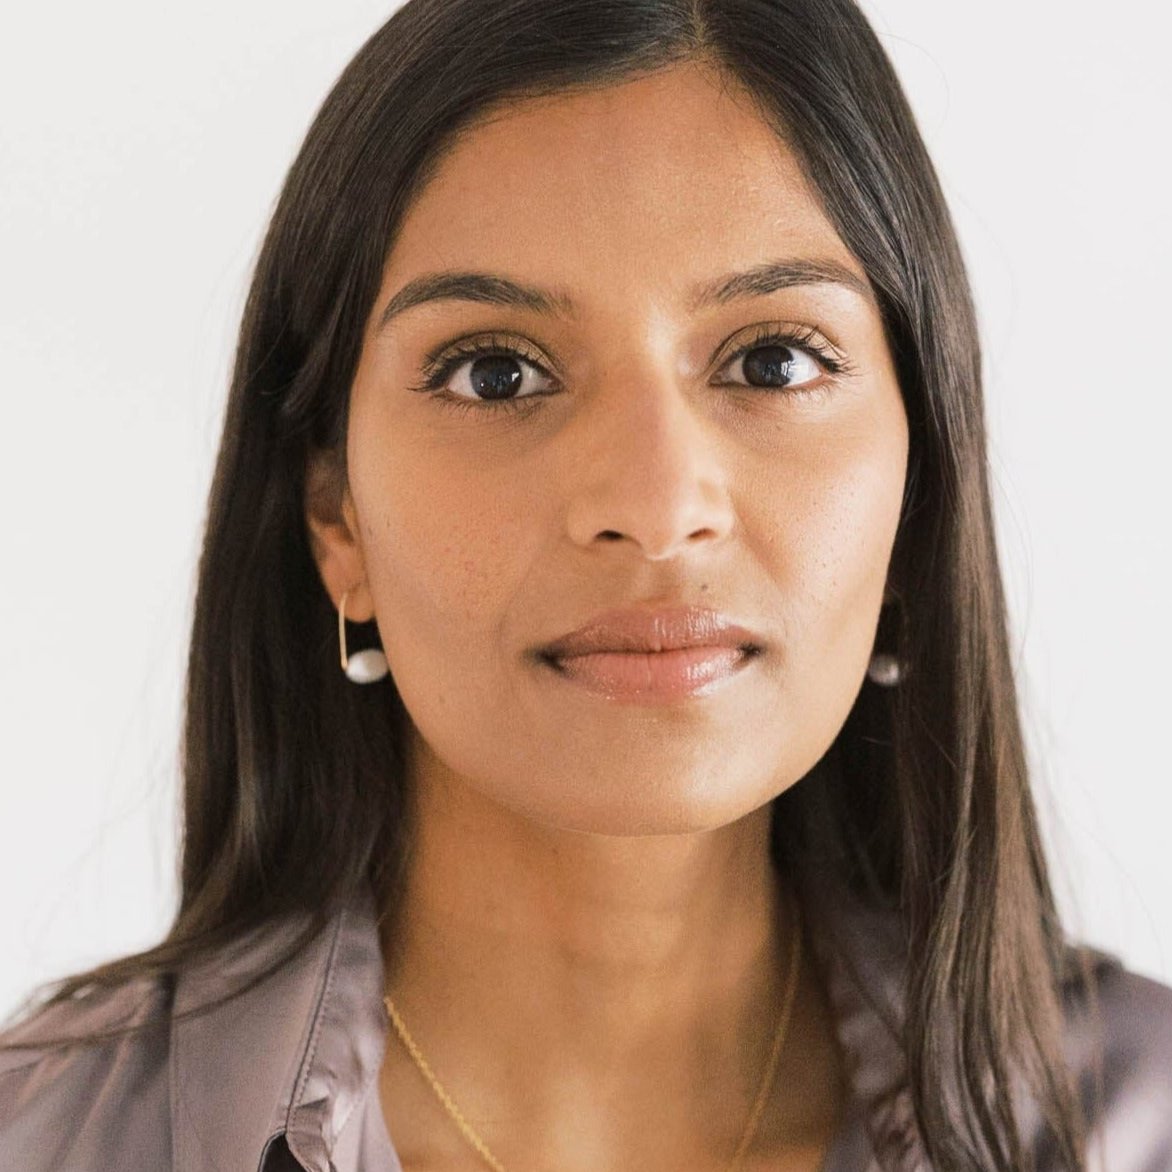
(656, 447)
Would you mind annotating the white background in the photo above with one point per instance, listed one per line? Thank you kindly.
(141, 148)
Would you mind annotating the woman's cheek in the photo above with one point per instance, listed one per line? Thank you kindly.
(447, 551)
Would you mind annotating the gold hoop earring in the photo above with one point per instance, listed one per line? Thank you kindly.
(363, 667)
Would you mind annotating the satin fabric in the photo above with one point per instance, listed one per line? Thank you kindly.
(284, 1077)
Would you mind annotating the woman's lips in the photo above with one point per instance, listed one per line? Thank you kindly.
(652, 676)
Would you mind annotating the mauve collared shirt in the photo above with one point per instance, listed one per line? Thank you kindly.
(285, 1076)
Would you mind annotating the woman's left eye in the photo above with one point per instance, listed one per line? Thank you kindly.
(777, 361)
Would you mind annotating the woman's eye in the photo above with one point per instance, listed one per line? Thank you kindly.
(499, 374)
(775, 364)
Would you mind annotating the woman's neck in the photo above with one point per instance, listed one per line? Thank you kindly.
(597, 1001)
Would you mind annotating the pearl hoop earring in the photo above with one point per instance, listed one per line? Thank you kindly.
(885, 670)
(363, 667)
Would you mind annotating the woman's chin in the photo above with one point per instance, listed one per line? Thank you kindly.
(635, 811)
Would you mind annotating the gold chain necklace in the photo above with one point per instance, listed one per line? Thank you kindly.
(751, 1124)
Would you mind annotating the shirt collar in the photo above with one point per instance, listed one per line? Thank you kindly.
(293, 1056)
(859, 949)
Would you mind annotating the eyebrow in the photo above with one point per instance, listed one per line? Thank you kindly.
(493, 289)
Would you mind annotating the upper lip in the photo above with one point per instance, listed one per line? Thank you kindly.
(661, 629)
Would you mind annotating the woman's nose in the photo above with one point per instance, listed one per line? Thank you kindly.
(652, 470)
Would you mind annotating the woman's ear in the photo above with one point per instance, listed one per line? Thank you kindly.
(332, 523)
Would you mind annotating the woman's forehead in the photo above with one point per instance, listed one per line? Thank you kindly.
(671, 177)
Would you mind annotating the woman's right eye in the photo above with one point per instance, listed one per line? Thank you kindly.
(484, 374)
(491, 376)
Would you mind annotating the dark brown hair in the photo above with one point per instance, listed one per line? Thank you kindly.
(294, 778)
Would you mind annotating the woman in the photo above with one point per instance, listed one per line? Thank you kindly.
(601, 743)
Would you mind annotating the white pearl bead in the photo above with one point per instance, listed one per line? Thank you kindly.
(885, 670)
(365, 667)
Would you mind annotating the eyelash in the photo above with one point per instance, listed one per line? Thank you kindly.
(440, 365)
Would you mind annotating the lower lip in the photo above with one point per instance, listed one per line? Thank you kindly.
(652, 677)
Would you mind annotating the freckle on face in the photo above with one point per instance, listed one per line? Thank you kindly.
(485, 535)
